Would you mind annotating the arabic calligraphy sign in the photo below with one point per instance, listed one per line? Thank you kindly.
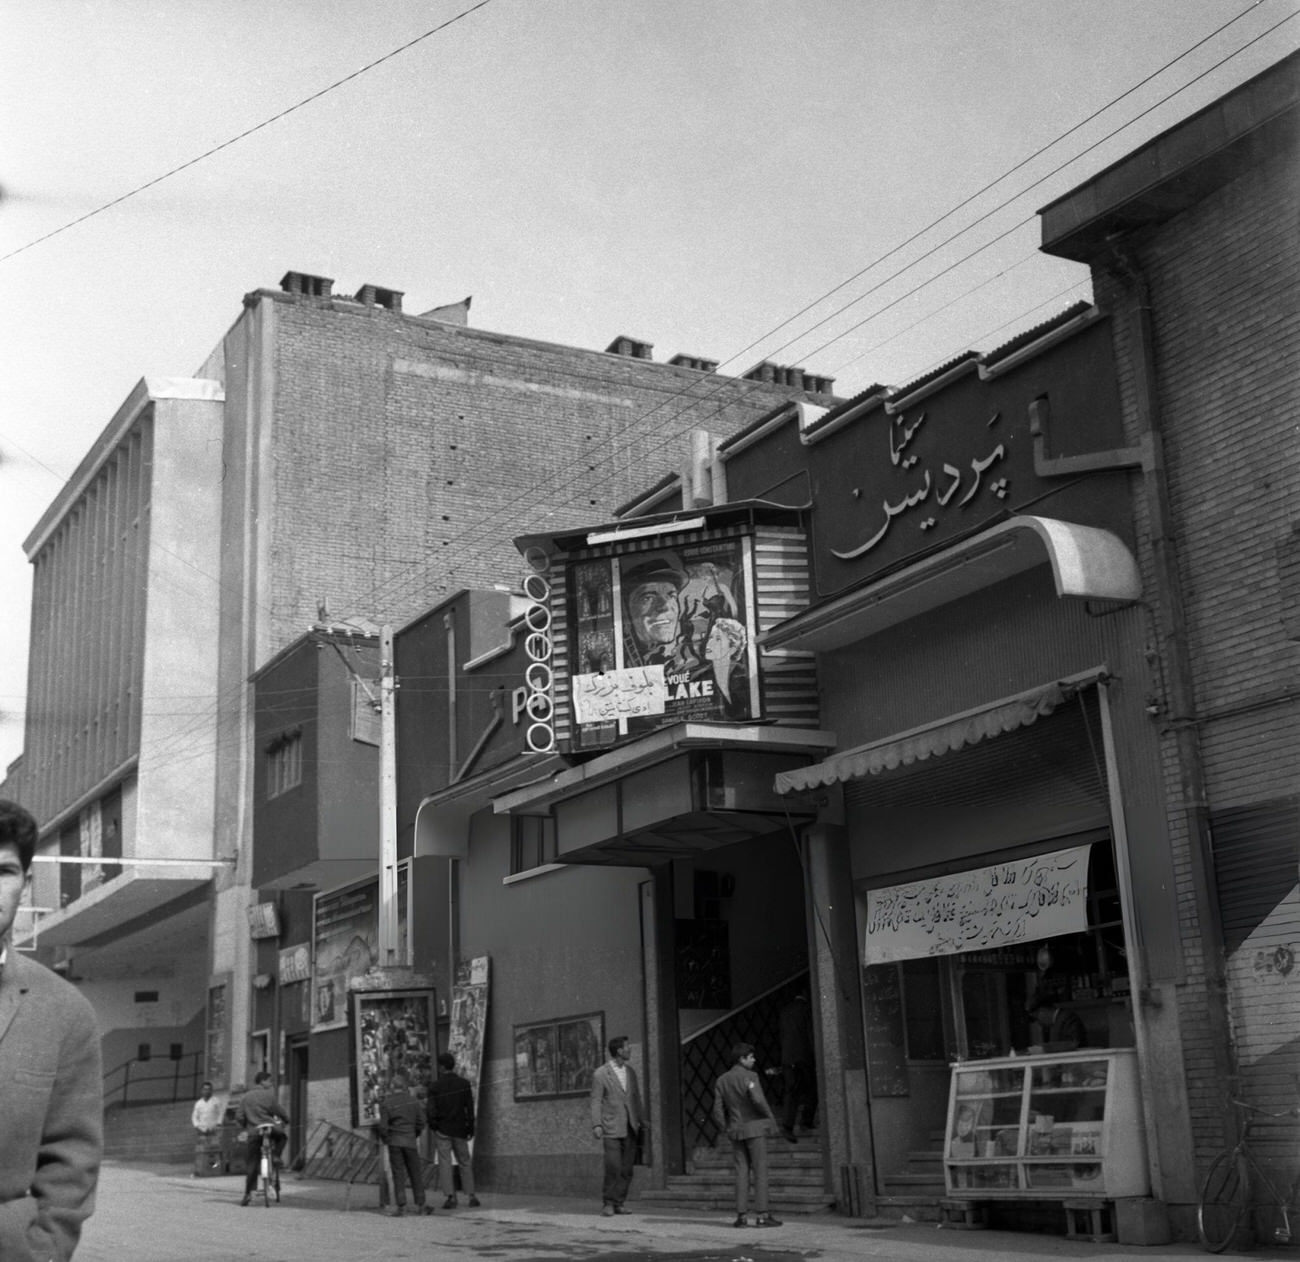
(908, 478)
(1019, 901)
(619, 694)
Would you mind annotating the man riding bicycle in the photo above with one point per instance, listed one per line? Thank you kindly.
(258, 1107)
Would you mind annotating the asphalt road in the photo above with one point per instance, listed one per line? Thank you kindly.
(161, 1214)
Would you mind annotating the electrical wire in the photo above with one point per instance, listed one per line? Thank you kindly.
(243, 135)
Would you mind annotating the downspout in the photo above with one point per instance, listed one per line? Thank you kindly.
(1171, 633)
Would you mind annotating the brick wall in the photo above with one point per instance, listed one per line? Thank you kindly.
(407, 452)
(1223, 278)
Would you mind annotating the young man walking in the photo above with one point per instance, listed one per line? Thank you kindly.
(741, 1110)
(401, 1121)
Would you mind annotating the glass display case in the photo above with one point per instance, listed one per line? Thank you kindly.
(1061, 1125)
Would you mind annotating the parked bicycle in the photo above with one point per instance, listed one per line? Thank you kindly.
(268, 1168)
(1238, 1192)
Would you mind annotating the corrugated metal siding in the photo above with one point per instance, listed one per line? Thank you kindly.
(1256, 863)
(87, 654)
(781, 583)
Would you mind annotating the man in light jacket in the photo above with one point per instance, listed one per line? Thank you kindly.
(741, 1110)
(617, 1116)
(51, 1083)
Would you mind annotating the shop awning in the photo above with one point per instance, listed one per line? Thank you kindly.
(931, 740)
(1086, 563)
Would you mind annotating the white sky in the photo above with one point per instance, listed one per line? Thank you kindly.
(689, 172)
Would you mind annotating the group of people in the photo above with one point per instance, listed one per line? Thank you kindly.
(448, 1111)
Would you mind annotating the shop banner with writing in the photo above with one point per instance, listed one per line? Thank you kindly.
(1017, 901)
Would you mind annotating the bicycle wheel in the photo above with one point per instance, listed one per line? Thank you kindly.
(1221, 1215)
(266, 1180)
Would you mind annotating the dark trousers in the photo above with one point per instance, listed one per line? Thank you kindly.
(747, 1155)
(253, 1157)
(619, 1157)
(405, 1163)
(800, 1095)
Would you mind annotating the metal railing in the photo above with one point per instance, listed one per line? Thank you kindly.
(163, 1081)
(706, 1054)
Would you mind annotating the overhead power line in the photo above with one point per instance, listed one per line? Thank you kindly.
(243, 135)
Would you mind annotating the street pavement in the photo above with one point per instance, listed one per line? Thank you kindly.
(162, 1214)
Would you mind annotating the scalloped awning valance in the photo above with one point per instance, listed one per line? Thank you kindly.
(930, 741)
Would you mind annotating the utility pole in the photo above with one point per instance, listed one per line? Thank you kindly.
(390, 948)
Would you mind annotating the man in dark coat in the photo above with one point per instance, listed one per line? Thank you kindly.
(617, 1116)
(401, 1119)
(261, 1107)
(51, 1083)
(741, 1110)
(797, 1066)
(1061, 1029)
(451, 1118)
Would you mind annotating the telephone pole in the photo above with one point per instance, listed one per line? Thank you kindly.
(390, 948)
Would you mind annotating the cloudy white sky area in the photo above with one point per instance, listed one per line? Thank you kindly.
(693, 173)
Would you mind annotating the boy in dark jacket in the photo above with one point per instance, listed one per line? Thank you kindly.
(451, 1118)
(401, 1119)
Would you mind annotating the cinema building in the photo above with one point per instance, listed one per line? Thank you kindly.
(943, 730)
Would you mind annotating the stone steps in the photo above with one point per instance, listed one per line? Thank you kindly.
(796, 1180)
(149, 1132)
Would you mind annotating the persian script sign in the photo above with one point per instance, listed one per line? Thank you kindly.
(989, 907)
(619, 694)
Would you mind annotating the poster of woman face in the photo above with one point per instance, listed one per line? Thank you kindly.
(393, 1032)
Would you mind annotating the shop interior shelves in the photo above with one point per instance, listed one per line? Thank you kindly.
(1046, 1126)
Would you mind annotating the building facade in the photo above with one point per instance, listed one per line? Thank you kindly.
(325, 463)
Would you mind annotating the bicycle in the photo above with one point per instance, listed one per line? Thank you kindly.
(268, 1168)
(1224, 1213)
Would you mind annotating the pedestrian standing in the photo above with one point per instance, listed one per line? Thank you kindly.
(401, 1119)
(207, 1113)
(51, 1082)
(741, 1110)
(617, 1116)
(797, 1066)
(451, 1119)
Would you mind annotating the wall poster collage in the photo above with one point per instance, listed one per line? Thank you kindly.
(345, 943)
(663, 636)
(394, 1030)
(469, 1003)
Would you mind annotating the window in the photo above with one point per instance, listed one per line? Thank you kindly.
(283, 763)
(532, 842)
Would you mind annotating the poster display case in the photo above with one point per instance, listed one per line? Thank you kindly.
(1051, 1126)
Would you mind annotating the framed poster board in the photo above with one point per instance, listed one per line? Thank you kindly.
(469, 1002)
(391, 1030)
(345, 943)
(557, 1058)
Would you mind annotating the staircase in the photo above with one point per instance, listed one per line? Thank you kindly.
(917, 1189)
(149, 1132)
(796, 1180)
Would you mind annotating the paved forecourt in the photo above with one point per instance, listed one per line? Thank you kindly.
(161, 1214)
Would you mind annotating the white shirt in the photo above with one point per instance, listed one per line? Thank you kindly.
(207, 1113)
(620, 1072)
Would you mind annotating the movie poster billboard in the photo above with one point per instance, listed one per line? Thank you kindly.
(661, 637)
(394, 1032)
(345, 943)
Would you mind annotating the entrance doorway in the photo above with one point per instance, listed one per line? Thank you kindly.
(296, 1050)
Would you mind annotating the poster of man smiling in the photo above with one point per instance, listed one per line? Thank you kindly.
(664, 636)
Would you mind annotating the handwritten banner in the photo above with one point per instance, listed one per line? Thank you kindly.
(984, 908)
(636, 692)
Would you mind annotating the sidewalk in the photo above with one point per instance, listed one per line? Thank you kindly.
(161, 1214)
